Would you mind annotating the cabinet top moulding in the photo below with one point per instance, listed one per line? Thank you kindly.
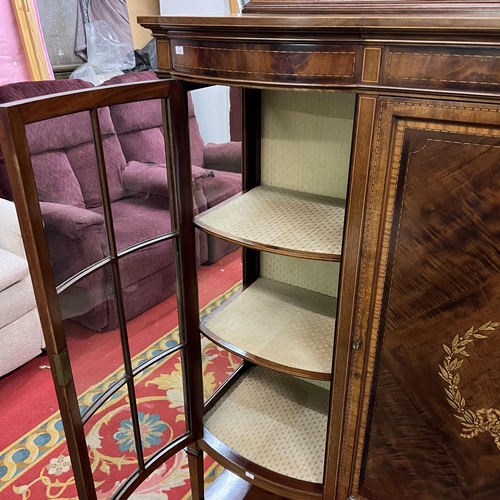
(360, 23)
(366, 6)
(442, 55)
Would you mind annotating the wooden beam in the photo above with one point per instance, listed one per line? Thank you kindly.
(233, 7)
(31, 39)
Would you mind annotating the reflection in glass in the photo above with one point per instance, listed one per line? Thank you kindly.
(66, 175)
(218, 365)
(170, 480)
(111, 446)
(160, 401)
(150, 301)
(96, 356)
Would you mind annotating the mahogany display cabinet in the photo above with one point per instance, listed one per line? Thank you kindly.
(370, 227)
(371, 144)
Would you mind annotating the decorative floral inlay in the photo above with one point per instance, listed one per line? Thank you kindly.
(152, 429)
(485, 419)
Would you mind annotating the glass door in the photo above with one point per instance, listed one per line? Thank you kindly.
(107, 237)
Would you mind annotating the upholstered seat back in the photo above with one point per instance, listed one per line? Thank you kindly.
(63, 152)
(139, 126)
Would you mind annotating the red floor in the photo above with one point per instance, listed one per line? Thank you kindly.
(27, 395)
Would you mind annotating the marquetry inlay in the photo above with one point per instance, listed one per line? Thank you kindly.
(371, 65)
(163, 50)
(485, 419)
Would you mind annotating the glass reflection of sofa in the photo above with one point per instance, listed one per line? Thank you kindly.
(64, 164)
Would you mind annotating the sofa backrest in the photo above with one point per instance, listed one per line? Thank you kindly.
(139, 126)
(63, 153)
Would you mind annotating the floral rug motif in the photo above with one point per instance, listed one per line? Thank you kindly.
(38, 467)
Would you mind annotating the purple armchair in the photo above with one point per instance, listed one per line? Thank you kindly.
(139, 129)
(65, 169)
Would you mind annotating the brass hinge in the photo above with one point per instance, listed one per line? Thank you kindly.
(63, 368)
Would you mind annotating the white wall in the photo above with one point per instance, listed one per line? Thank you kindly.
(211, 106)
(194, 7)
(212, 103)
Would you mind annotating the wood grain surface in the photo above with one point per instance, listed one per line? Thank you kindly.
(273, 62)
(440, 288)
(442, 67)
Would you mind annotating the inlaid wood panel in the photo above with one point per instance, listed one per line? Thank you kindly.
(371, 64)
(268, 62)
(163, 50)
(433, 415)
(442, 67)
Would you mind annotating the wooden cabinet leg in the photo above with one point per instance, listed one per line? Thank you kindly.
(196, 472)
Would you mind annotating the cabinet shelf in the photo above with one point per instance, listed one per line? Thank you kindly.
(278, 326)
(280, 221)
(275, 421)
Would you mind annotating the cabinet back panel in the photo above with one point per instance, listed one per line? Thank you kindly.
(306, 146)
(315, 275)
(306, 141)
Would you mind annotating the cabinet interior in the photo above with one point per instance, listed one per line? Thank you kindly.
(306, 146)
(285, 320)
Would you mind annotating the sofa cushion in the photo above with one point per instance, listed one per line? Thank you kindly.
(55, 180)
(146, 146)
(10, 235)
(151, 180)
(61, 132)
(138, 115)
(73, 134)
(21, 341)
(66, 131)
(136, 221)
(84, 164)
(139, 125)
(147, 115)
(12, 269)
(24, 90)
(226, 156)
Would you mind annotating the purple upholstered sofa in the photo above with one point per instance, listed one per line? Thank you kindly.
(139, 129)
(65, 170)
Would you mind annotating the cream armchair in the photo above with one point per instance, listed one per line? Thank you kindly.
(21, 336)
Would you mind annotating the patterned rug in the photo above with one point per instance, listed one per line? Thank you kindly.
(38, 467)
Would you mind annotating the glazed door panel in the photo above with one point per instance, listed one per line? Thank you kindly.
(428, 418)
(85, 420)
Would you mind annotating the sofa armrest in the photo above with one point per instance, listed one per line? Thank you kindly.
(226, 156)
(152, 180)
(68, 220)
(145, 179)
(10, 232)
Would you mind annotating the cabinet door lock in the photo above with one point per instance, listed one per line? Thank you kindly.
(357, 345)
